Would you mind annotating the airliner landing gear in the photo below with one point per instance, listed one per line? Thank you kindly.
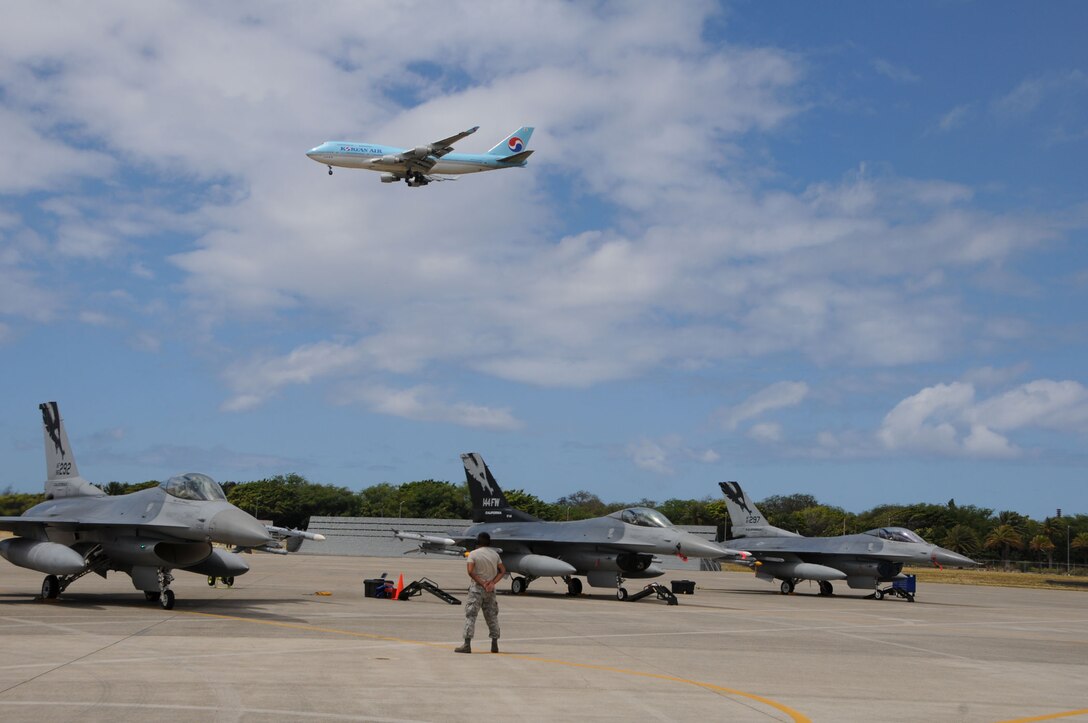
(330, 170)
(574, 585)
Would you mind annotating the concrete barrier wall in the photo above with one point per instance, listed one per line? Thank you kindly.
(373, 537)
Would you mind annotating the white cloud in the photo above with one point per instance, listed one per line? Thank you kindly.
(947, 419)
(662, 455)
(650, 455)
(424, 403)
(898, 73)
(766, 432)
(779, 395)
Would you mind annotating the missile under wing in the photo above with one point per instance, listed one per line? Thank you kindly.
(147, 534)
(862, 561)
(605, 550)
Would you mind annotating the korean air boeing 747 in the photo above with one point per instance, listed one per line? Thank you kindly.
(415, 166)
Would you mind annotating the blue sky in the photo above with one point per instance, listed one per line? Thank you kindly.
(832, 248)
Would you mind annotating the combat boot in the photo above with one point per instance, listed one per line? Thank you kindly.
(466, 648)
(494, 645)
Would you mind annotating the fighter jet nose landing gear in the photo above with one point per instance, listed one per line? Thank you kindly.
(166, 595)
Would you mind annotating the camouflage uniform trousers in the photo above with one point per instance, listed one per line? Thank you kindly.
(480, 600)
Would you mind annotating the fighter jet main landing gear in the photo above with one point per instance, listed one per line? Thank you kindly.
(519, 584)
(50, 587)
(826, 589)
(228, 581)
(786, 588)
(574, 585)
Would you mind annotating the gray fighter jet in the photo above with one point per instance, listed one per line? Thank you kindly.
(863, 561)
(606, 550)
(146, 534)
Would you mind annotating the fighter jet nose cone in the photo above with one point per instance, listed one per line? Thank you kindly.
(947, 558)
(235, 527)
(695, 546)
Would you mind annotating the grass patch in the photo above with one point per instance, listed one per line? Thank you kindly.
(1043, 581)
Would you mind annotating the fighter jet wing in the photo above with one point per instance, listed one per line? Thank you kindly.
(26, 526)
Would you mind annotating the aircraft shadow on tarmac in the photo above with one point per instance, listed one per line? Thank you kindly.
(238, 607)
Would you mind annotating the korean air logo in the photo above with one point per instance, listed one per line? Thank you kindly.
(515, 144)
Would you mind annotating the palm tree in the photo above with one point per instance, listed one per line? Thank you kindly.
(1080, 542)
(962, 539)
(1004, 538)
(1043, 545)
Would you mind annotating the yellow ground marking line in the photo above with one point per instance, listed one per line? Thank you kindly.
(794, 715)
(1051, 716)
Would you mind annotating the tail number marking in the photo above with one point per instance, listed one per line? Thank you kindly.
(63, 468)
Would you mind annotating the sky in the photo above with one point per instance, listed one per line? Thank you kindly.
(832, 248)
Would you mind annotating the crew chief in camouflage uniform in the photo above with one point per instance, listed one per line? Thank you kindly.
(485, 568)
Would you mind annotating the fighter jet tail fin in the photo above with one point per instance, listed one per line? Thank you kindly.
(61, 474)
(488, 502)
(747, 520)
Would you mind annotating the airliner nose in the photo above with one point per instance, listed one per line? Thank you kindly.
(234, 527)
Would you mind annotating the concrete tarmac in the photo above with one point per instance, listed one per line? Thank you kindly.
(271, 649)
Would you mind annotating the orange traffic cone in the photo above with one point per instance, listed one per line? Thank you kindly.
(400, 586)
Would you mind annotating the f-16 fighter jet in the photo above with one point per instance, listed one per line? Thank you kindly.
(605, 550)
(863, 561)
(146, 534)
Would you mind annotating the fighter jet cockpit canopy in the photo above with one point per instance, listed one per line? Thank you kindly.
(643, 517)
(896, 534)
(193, 486)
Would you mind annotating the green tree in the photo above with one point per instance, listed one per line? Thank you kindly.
(1004, 538)
(962, 539)
(1080, 542)
(1043, 545)
(290, 500)
(581, 505)
(530, 503)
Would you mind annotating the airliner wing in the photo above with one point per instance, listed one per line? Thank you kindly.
(444, 146)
